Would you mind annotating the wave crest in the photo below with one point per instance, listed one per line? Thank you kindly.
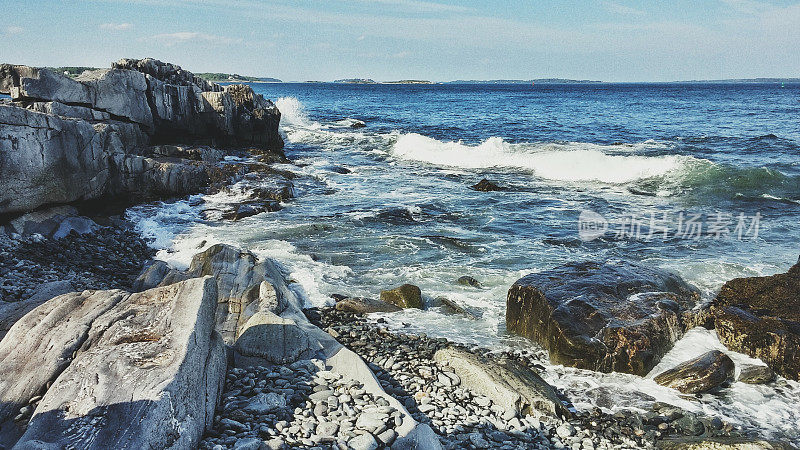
(570, 161)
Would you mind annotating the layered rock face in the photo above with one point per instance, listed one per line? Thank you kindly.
(614, 316)
(115, 370)
(65, 140)
(760, 316)
(186, 106)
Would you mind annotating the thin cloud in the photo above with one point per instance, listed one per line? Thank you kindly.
(622, 10)
(115, 26)
(14, 30)
(419, 6)
(183, 37)
(748, 6)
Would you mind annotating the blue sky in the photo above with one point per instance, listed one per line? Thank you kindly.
(425, 39)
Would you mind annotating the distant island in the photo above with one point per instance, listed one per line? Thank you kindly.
(371, 81)
(409, 82)
(356, 81)
(535, 81)
(747, 80)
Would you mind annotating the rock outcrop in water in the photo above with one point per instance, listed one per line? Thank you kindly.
(64, 140)
(760, 316)
(405, 296)
(614, 316)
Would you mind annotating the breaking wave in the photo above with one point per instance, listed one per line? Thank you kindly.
(570, 161)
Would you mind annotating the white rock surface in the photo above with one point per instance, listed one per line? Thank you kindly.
(148, 373)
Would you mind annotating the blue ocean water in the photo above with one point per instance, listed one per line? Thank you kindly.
(702, 179)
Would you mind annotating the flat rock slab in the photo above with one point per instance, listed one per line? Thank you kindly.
(507, 383)
(612, 316)
(40, 346)
(702, 374)
(148, 372)
(760, 316)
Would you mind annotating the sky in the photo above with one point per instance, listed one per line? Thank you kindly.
(438, 40)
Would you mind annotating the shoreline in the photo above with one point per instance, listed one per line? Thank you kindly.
(269, 361)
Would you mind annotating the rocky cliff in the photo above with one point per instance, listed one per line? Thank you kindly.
(64, 140)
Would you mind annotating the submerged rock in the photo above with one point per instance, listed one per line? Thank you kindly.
(610, 316)
(486, 186)
(698, 375)
(468, 281)
(452, 307)
(760, 316)
(405, 296)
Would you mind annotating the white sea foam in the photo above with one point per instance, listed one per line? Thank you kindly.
(293, 113)
(572, 161)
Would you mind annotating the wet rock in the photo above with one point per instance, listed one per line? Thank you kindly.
(363, 305)
(702, 374)
(468, 281)
(452, 307)
(760, 316)
(405, 296)
(609, 316)
(357, 124)
(722, 443)
(754, 374)
(486, 186)
(246, 210)
(508, 384)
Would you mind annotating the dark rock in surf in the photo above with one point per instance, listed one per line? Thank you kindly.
(451, 307)
(486, 186)
(362, 305)
(245, 210)
(702, 374)
(755, 374)
(405, 296)
(358, 124)
(613, 316)
(760, 316)
(467, 280)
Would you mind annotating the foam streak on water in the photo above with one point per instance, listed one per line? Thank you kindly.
(390, 204)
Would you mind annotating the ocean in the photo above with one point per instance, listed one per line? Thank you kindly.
(702, 179)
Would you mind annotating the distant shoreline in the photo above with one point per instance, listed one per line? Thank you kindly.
(219, 77)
